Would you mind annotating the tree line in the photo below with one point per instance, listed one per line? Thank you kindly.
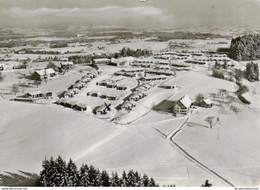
(58, 173)
(125, 52)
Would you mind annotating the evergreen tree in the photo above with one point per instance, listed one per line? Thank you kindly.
(206, 184)
(138, 179)
(252, 72)
(104, 179)
(131, 179)
(1, 180)
(115, 180)
(72, 174)
(58, 173)
(51, 173)
(145, 181)
(83, 176)
(44, 175)
(152, 183)
(61, 179)
(124, 179)
(93, 175)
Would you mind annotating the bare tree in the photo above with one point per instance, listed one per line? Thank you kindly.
(15, 89)
(234, 109)
(199, 97)
(1, 77)
(210, 121)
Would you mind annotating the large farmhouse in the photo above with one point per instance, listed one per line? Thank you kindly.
(182, 106)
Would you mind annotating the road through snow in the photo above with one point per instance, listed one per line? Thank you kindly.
(177, 147)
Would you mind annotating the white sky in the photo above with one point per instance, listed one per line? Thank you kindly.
(128, 12)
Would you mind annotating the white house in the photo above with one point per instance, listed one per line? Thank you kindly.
(182, 106)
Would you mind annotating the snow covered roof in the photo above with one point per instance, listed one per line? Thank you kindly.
(100, 60)
(81, 105)
(35, 92)
(45, 72)
(64, 59)
(23, 58)
(132, 70)
(67, 63)
(185, 100)
(208, 101)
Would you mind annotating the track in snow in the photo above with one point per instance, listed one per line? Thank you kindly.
(178, 148)
(96, 145)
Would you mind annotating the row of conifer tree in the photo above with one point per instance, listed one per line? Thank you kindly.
(58, 173)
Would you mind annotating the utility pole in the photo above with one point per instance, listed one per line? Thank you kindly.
(188, 172)
(218, 133)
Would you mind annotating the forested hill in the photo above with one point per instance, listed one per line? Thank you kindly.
(245, 48)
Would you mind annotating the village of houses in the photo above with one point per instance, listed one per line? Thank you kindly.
(117, 86)
(164, 113)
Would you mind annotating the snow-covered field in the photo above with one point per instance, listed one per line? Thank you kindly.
(29, 133)
(136, 140)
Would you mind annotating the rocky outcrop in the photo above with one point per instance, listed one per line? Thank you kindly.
(245, 48)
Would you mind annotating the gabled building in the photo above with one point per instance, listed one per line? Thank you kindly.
(35, 94)
(182, 106)
(67, 64)
(45, 73)
(206, 103)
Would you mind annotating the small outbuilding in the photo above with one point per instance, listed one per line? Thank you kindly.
(80, 107)
(206, 103)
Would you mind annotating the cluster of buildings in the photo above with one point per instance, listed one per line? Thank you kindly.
(72, 104)
(200, 57)
(112, 84)
(78, 85)
(132, 72)
(102, 95)
(183, 105)
(74, 89)
(138, 94)
(34, 96)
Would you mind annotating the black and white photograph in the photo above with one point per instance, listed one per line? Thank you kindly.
(129, 93)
